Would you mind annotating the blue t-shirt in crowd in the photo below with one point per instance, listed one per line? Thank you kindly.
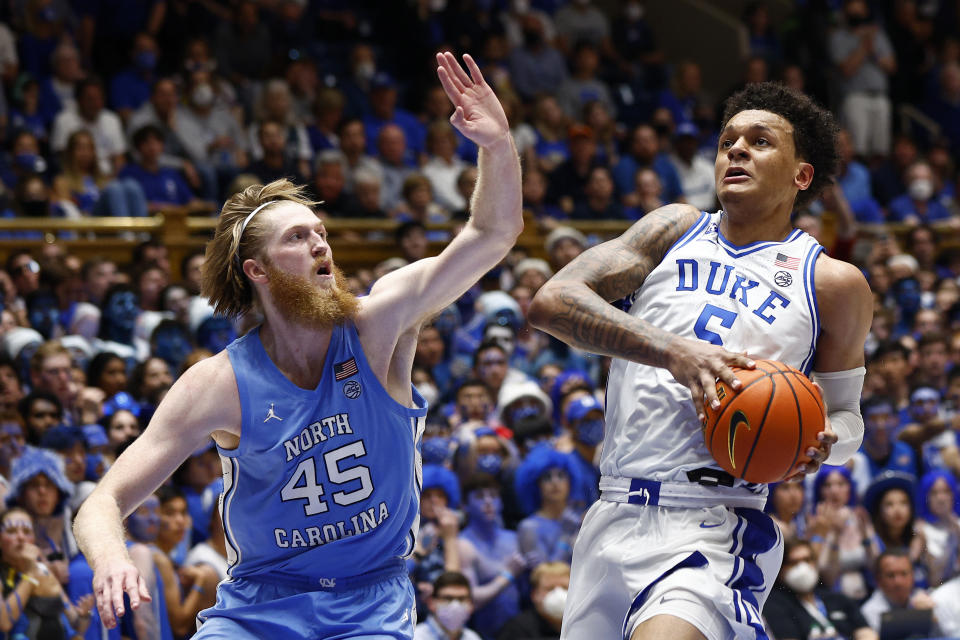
(166, 186)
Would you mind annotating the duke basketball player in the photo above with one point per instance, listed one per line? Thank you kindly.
(313, 412)
(676, 547)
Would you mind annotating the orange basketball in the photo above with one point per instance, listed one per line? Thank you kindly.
(762, 432)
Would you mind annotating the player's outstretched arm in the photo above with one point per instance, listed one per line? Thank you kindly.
(411, 294)
(203, 400)
(574, 306)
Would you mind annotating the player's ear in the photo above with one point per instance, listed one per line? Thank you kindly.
(803, 176)
(254, 270)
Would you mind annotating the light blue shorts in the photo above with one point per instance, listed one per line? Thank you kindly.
(260, 610)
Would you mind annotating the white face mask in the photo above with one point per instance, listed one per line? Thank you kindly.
(202, 95)
(802, 577)
(554, 602)
(453, 615)
(921, 190)
(365, 70)
(429, 392)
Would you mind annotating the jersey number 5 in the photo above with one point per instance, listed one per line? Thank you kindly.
(303, 484)
(709, 312)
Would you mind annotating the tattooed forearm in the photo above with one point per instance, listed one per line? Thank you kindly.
(583, 320)
(574, 307)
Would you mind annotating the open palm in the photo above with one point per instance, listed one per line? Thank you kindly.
(478, 114)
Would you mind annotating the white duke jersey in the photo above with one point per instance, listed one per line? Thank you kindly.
(758, 298)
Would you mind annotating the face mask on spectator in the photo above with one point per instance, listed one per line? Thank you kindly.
(802, 577)
(365, 70)
(453, 615)
(921, 190)
(429, 392)
(30, 162)
(554, 602)
(590, 432)
(202, 95)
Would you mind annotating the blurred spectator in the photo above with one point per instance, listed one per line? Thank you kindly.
(918, 205)
(366, 196)
(646, 196)
(862, 53)
(131, 88)
(58, 90)
(326, 113)
(598, 202)
(443, 166)
(686, 95)
(362, 67)
(584, 417)
(25, 114)
(329, 181)
(275, 162)
(945, 107)
(889, 500)
(582, 21)
(103, 125)
(45, 23)
(93, 192)
(27, 160)
(397, 165)
(643, 152)
(384, 111)
(694, 170)
(437, 549)
(786, 508)
(451, 605)
(418, 205)
(353, 144)
(537, 67)
(242, 45)
(896, 591)
(568, 181)
(162, 186)
(276, 106)
(854, 179)
(209, 132)
(762, 39)
(583, 84)
(911, 35)
(563, 244)
(940, 512)
(548, 595)
(489, 556)
(797, 608)
(881, 450)
(889, 179)
(50, 370)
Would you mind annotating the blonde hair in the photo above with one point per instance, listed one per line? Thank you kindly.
(545, 569)
(223, 282)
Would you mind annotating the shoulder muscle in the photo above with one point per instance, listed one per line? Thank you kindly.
(846, 311)
(618, 267)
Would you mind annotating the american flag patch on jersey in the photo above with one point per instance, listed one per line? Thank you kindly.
(345, 369)
(787, 262)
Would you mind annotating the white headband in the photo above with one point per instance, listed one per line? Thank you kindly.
(247, 220)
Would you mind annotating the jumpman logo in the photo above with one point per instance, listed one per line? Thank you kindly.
(272, 414)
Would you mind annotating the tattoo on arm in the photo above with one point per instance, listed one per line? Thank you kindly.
(579, 309)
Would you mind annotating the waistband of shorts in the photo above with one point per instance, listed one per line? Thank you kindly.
(689, 495)
(395, 568)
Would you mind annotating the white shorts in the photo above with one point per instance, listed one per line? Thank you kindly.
(712, 567)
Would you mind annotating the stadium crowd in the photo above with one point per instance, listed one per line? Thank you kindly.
(128, 107)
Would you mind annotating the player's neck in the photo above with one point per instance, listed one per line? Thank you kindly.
(298, 352)
(744, 227)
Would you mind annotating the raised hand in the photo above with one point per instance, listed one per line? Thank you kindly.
(478, 113)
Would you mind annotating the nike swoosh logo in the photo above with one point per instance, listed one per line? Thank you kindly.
(704, 525)
(736, 420)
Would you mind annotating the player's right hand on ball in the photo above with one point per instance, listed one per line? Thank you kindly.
(698, 365)
(110, 582)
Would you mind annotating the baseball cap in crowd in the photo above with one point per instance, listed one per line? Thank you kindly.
(510, 393)
(536, 264)
(687, 129)
(582, 406)
(121, 400)
(382, 80)
(499, 307)
(884, 482)
(95, 435)
(562, 233)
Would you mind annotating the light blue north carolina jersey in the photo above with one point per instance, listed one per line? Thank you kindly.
(758, 298)
(325, 483)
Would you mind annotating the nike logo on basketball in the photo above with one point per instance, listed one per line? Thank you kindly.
(736, 420)
(272, 414)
